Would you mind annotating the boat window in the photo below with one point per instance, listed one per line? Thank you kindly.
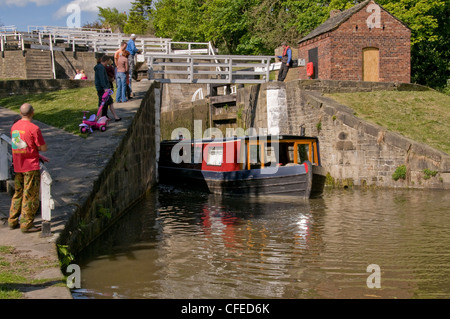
(291, 153)
(303, 152)
(270, 156)
(255, 156)
(215, 156)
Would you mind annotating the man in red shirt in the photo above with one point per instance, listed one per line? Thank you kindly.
(27, 141)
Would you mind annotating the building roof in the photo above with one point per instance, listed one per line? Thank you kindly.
(335, 21)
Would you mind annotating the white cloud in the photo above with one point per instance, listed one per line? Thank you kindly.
(91, 6)
(23, 3)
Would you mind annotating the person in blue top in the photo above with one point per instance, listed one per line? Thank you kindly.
(286, 59)
(131, 47)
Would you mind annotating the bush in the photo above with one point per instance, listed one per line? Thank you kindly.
(400, 173)
(429, 173)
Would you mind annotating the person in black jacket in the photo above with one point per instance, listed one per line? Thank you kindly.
(102, 84)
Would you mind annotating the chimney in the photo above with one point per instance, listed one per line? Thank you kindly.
(334, 13)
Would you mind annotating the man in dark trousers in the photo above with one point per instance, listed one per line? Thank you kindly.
(27, 142)
(286, 59)
(102, 84)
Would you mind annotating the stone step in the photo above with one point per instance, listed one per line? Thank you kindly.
(39, 65)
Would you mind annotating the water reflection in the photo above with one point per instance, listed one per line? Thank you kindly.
(193, 245)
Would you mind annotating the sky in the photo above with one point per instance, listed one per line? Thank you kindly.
(63, 13)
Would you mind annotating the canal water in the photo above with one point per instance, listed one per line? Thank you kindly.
(185, 245)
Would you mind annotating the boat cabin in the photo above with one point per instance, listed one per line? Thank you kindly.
(240, 153)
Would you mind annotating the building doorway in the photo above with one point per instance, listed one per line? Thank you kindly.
(313, 56)
(371, 64)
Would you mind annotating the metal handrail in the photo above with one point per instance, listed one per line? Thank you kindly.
(203, 68)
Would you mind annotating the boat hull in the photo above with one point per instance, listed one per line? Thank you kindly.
(295, 180)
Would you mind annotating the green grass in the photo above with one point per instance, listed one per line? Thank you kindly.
(17, 270)
(62, 109)
(423, 116)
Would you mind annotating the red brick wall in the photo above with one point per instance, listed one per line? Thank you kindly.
(341, 50)
(323, 43)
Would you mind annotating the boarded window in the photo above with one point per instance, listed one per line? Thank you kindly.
(371, 64)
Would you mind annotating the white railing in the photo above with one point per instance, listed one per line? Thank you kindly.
(187, 55)
(47, 203)
(99, 40)
(204, 68)
(56, 29)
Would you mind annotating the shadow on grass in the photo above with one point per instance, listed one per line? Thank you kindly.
(14, 290)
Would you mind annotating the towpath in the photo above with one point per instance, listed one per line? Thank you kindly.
(75, 163)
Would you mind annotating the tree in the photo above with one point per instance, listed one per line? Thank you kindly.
(179, 20)
(276, 21)
(140, 18)
(226, 23)
(259, 26)
(430, 44)
(93, 25)
(112, 18)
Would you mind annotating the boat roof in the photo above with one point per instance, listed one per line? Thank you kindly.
(246, 138)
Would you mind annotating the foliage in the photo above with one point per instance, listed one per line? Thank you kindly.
(254, 27)
(430, 27)
(400, 173)
(428, 173)
(112, 18)
(65, 256)
(93, 25)
(259, 26)
(179, 20)
(139, 18)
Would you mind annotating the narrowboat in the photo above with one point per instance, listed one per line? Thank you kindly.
(248, 166)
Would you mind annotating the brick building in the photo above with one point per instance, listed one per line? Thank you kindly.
(363, 43)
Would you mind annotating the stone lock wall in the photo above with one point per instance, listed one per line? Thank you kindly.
(36, 64)
(353, 151)
(356, 152)
(128, 176)
(13, 65)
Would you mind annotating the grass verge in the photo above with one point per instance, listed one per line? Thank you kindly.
(17, 271)
(62, 109)
(420, 115)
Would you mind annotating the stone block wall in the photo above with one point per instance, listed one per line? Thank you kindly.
(127, 177)
(184, 116)
(356, 152)
(66, 64)
(13, 65)
(353, 151)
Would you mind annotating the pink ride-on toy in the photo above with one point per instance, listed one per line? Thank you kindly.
(96, 121)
